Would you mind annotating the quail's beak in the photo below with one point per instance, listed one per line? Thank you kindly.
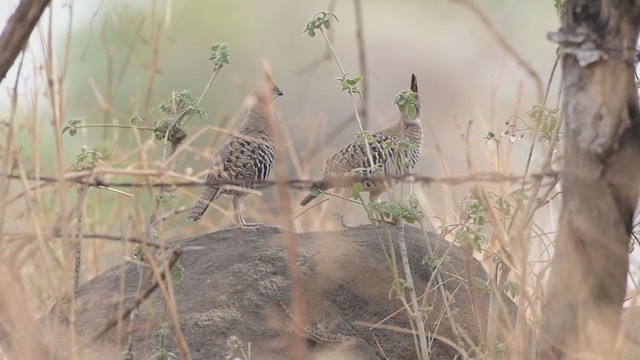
(279, 92)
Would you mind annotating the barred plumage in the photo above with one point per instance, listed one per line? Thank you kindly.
(246, 158)
(394, 150)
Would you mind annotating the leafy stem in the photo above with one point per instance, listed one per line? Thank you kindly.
(344, 75)
(320, 22)
(114, 126)
(333, 51)
(206, 88)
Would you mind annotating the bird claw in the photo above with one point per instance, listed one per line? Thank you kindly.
(343, 223)
(247, 226)
(252, 225)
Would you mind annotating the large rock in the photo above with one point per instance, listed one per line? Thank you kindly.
(235, 282)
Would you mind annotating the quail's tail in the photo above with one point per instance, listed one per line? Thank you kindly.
(321, 185)
(208, 195)
(414, 83)
(308, 199)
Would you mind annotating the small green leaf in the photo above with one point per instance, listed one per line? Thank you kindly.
(319, 20)
(163, 330)
(136, 120)
(411, 112)
(72, 125)
(520, 196)
(178, 272)
(405, 284)
(138, 252)
(219, 54)
(357, 190)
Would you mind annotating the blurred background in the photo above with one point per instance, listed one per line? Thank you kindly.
(126, 57)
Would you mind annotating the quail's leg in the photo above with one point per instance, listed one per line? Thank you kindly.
(237, 204)
(374, 196)
(346, 194)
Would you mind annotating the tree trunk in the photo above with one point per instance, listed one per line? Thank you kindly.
(587, 282)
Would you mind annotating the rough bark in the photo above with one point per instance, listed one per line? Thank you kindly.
(17, 31)
(586, 289)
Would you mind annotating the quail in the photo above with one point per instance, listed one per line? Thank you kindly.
(246, 158)
(394, 151)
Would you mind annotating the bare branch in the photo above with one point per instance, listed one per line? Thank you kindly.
(505, 45)
(16, 34)
(362, 60)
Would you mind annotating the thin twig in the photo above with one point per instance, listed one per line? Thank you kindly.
(140, 298)
(505, 44)
(411, 332)
(126, 239)
(415, 314)
(298, 348)
(333, 133)
(362, 60)
(436, 273)
(327, 54)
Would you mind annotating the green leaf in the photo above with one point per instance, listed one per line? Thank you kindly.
(72, 125)
(407, 103)
(138, 252)
(411, 112)
(552, 123)
(357, 190)
(405, 284)
(136, 120)
(318, 20)
(219, 54)
(163, 330)
(491, 136)
(520, 196)
(178, 272)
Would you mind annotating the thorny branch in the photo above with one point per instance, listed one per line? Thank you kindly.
(81, 178)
